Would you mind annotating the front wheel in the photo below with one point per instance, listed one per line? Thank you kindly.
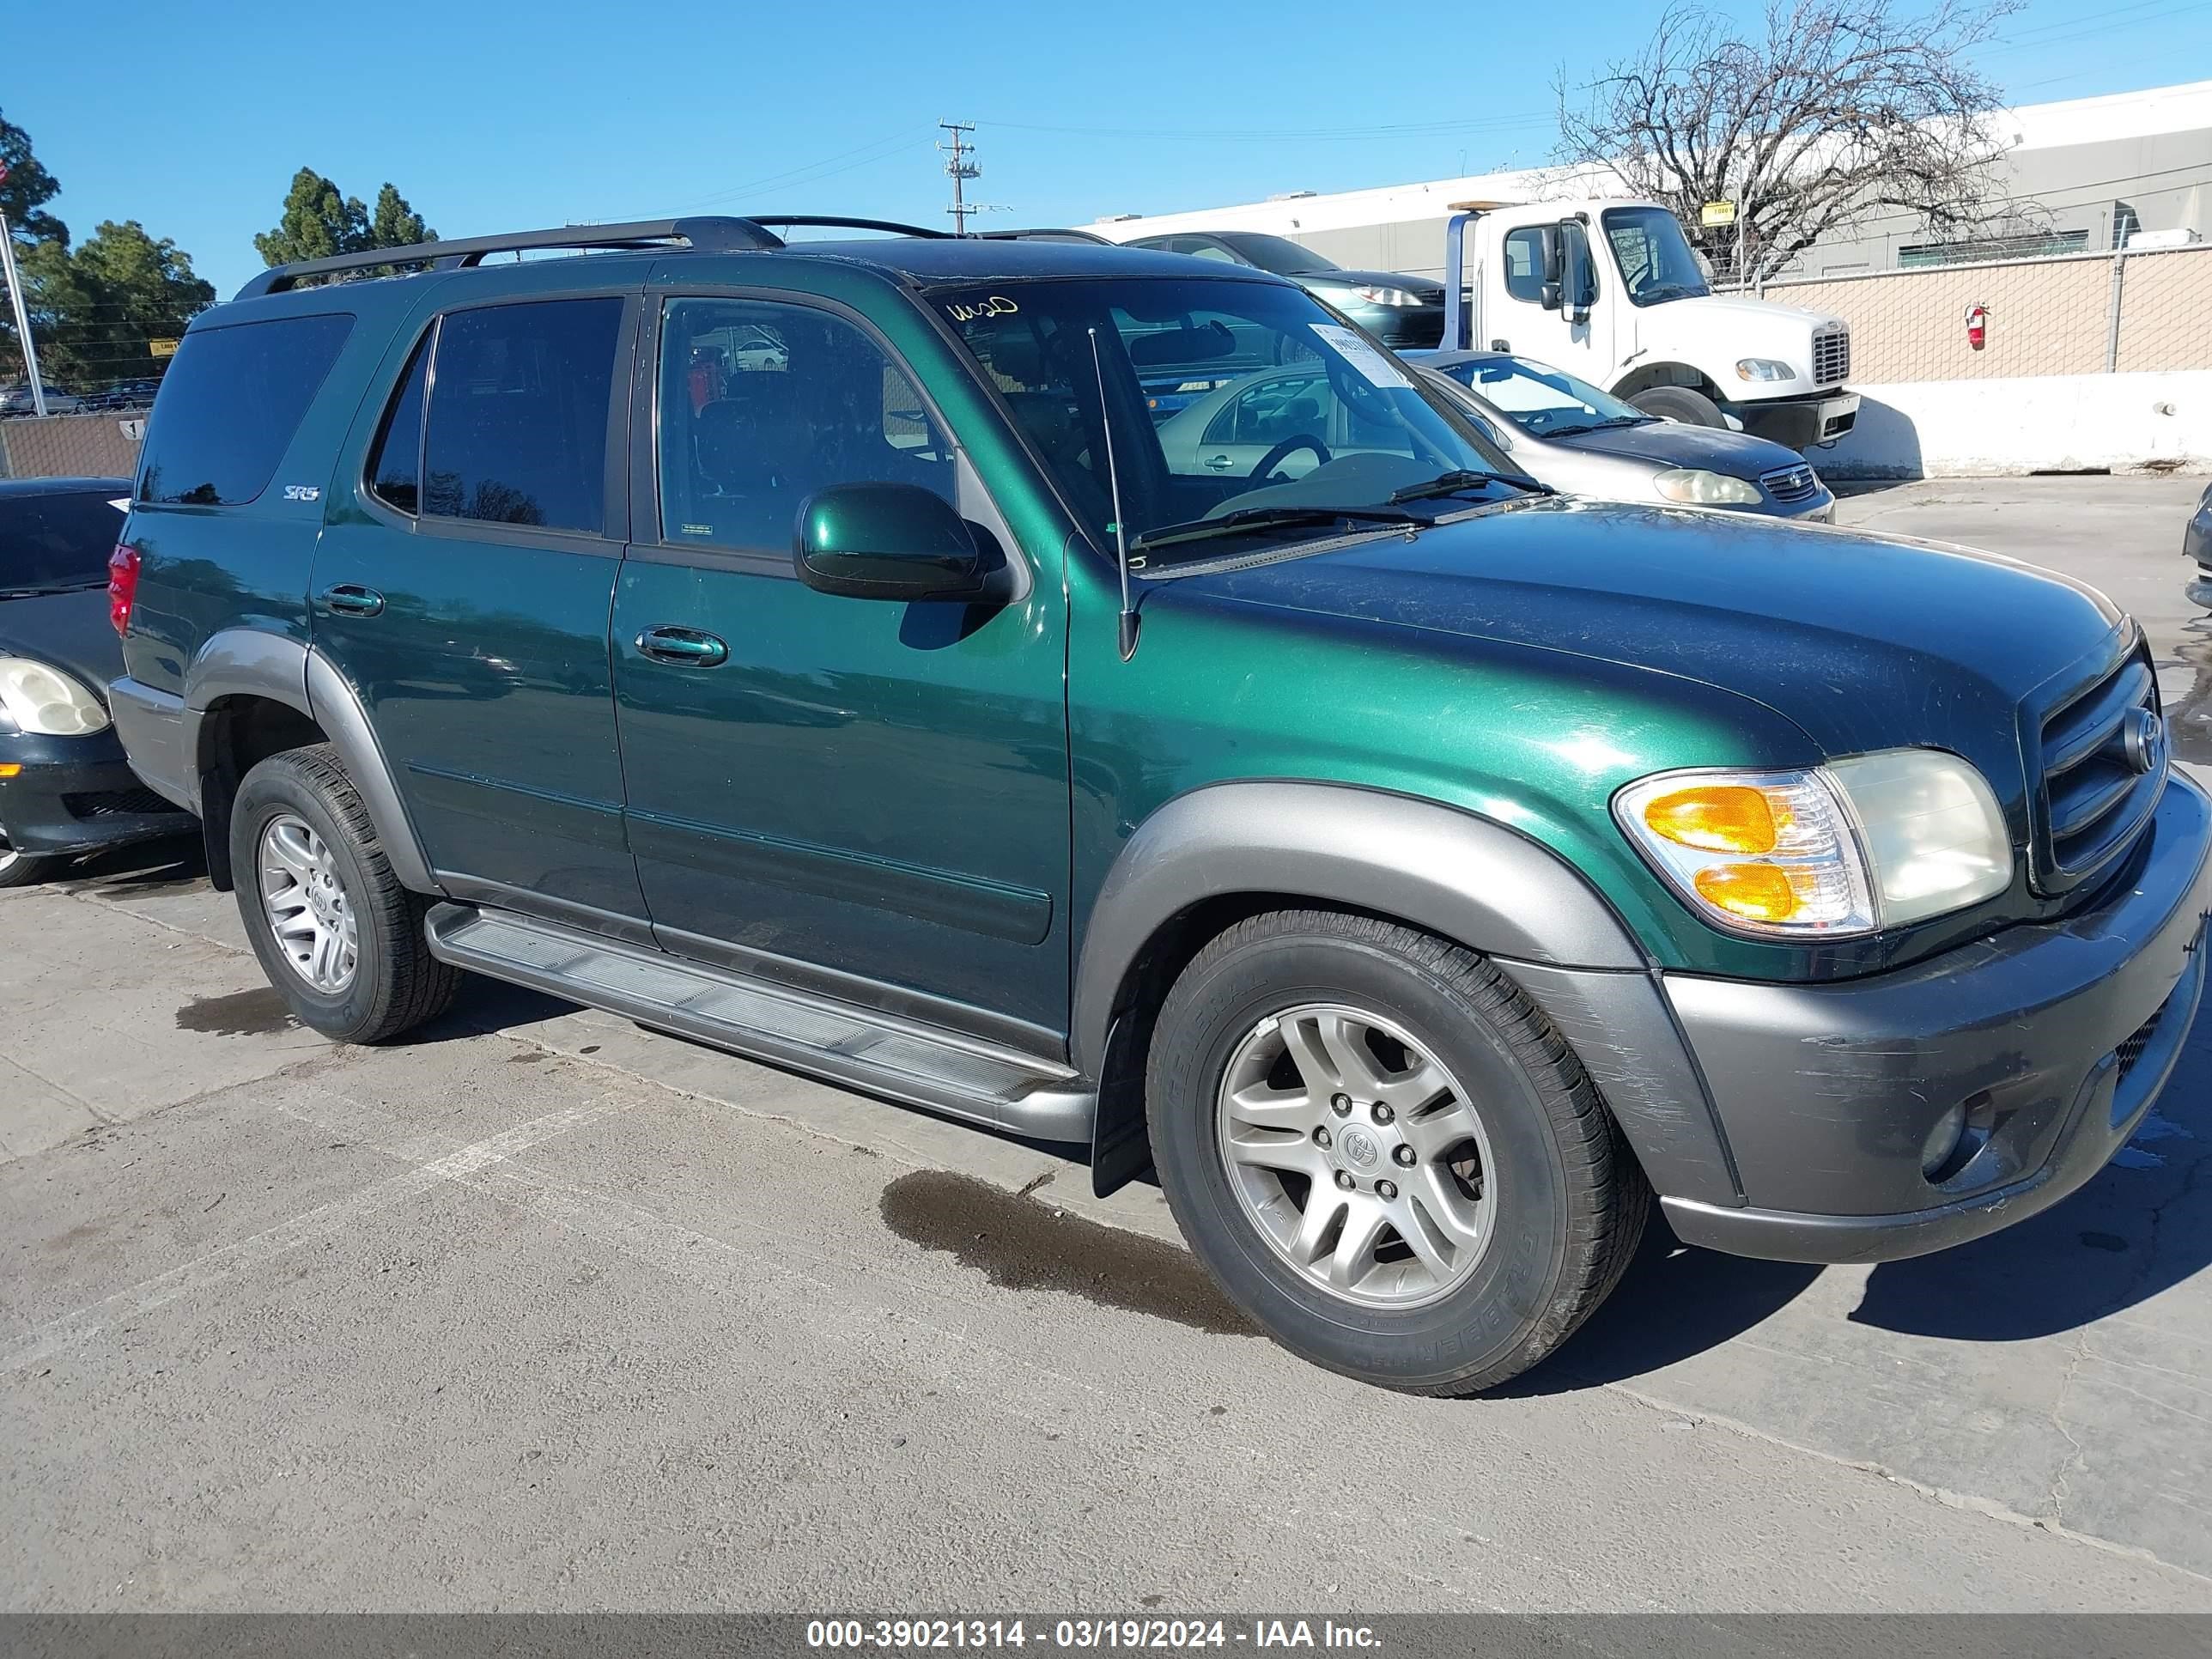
(22, 869)
(1382, 1152)
(337, 935)
(1680, 402)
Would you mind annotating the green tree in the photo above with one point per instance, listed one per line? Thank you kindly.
(27, 189)
(96, 309)
(319, 221)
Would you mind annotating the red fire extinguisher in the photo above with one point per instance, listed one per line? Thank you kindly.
(1977, 326)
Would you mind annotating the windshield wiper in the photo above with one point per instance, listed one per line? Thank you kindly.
(1464, 478)
(1268, 518)
(1577, 429)
(41, 592)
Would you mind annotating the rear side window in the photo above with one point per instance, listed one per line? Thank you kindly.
(394, 466)
(57, 540)
(229, 405)
(518, 414)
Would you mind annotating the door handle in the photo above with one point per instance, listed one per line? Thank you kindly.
(1220, 463)
(352, 599)
(686, 648)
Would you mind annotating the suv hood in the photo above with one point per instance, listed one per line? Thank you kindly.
(1862, 642)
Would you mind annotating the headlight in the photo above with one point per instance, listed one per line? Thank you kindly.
(48, 702)
(1851, 848)
(1696, 487)
(1763, 368)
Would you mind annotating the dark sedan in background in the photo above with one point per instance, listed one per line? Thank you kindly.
(65, 788)
(1567, 433)
(1407, 313)
(2197, 544)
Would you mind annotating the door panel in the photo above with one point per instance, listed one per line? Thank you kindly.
(472, 616)
(873, 788)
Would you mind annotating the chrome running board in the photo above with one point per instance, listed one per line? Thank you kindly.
(901, 1060)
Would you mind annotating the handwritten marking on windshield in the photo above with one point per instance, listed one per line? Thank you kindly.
(968, 310)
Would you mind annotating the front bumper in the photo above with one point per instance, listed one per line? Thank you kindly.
(78, 795)
(2056, 1038)
(1800, 422)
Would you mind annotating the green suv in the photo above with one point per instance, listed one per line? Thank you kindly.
(812, 651)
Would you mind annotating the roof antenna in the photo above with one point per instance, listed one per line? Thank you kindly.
(1128, 634)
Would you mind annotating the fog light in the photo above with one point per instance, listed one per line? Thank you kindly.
(1943, 1142)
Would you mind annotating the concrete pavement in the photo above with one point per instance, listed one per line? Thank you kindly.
(541, 1310)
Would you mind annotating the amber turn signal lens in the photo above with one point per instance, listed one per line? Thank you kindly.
(9, 769)
(1718, 817)
(1757, 892)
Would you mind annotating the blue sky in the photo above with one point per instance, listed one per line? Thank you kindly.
(496, 114)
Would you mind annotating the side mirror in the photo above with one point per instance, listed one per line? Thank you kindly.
(885, 541)
(1575, 278)
(1554, 256)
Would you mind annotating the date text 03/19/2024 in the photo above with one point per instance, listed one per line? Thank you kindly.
(1113, 1635)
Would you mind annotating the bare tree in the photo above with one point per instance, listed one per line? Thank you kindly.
(1839, 109)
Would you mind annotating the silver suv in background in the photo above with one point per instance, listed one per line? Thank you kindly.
(1567, 433)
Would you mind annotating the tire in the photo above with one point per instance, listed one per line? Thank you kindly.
(1680, 402)
(28, 869)
(1564, 1199)
(304, 796)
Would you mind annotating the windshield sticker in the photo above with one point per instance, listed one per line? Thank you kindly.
(1374, 368)
(967, 311)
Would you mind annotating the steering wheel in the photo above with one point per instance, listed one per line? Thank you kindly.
(1283, 451)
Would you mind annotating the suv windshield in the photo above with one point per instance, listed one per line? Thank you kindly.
(1654, 257)
(1276, 254)
(1546, 403)
(1224, 408)
(58, 540)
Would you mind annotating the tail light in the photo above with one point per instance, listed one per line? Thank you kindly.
(122, 586)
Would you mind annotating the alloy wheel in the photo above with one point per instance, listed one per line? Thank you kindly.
(1359, 1156)
(305, 900)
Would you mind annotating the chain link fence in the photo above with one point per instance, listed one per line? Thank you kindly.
(71, 446)
(2095, 314)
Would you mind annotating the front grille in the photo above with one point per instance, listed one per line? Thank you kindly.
(1832, 355)
(114, 803)
(2092, 796)
(1789, 483)
(2138, 1039)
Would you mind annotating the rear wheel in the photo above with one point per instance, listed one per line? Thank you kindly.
(21, 869)
(1680, 402)
(1384, 1153)
(337, 935)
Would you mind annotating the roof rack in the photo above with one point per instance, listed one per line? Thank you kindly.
(832, 221)
(709, 234)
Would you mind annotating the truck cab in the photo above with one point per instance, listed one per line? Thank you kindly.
(1610, 290)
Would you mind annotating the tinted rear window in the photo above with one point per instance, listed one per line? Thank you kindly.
(56, 541)
(229, 405)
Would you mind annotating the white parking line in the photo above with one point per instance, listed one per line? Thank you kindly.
(71, 1329)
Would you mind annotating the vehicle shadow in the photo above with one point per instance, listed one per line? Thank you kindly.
(1672, 1303)
(2143, 1225)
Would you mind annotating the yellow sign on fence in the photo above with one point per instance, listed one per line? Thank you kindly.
(162, 348)
(1716, 213)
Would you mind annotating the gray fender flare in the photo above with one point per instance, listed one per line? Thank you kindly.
(1468, 878)
(246, 662)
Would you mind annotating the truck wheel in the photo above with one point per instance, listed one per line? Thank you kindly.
(26, 869)
(1384, 1153)
(1678, 403)
(337, 935)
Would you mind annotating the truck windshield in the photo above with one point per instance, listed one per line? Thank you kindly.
(1654, 257)
(1225, 408)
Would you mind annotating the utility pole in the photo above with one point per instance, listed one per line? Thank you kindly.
(22, 317)
(960, 167)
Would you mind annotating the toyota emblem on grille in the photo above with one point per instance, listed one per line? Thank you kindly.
(2143, 740)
